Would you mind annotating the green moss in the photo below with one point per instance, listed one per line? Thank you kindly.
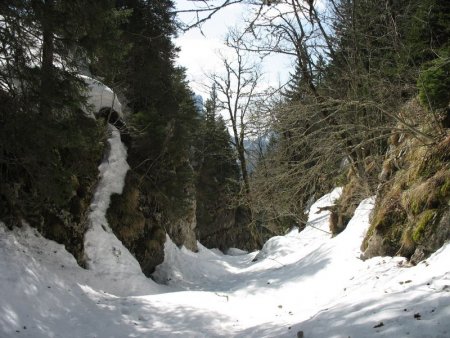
(429, 166)
(444, 191)
(388, 213)
(419, 197)
(407, 243)
(369, 234)
(158, 234)
(434, 160)
(416, 206)
(413, 203)
(389, 221)
(393, 239)
(153, 246)
(341, 180)
(426, 218)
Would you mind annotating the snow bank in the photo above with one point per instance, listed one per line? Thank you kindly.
(316, 232)
(44, 293)
(236, 252)
(204, 270)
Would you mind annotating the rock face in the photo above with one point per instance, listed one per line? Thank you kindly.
(412, 211)
(67, 226)
(375, 247)
(434, 240)
(226, 228)
(182, 230)
(51, 183)
(133, 221)
(141, 225)
(214, 226)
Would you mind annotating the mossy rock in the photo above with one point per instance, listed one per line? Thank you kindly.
(445, 189)
(426, 220)
(51, 181)
(132, 226)
(124, 215)
(55, 229)
(424, 195)
(388, 214)
(407, 244)
(153, 246)
(158, 234)
(435, 159)
(130, 216)
(411, 207)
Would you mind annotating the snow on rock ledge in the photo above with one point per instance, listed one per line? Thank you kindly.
(101, 96)
(106, 255)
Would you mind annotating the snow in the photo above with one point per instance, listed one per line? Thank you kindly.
(303, 281)
(106, 256)
(236, 252)
(100, 96)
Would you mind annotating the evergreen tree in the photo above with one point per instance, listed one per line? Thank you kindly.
(146, 73)
(49, 151)
(297, 89)
(218, 158)
(163, 114)
(38, 35)
(427, 31)
(294, 90)
(217, 171)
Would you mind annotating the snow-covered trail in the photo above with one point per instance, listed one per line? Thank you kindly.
(316, 284)
(302, 282)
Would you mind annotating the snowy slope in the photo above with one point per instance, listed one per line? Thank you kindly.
(303, 281)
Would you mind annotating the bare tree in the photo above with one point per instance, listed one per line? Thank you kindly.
(292, 27)
(200, 11)
(237, 91)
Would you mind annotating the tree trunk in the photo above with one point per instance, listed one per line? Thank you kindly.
(243, 161)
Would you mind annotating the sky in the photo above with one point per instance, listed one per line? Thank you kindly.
(200, 52)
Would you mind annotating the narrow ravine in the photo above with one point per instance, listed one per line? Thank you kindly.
(304, 283)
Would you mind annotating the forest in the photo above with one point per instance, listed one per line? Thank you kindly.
(366, 108)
